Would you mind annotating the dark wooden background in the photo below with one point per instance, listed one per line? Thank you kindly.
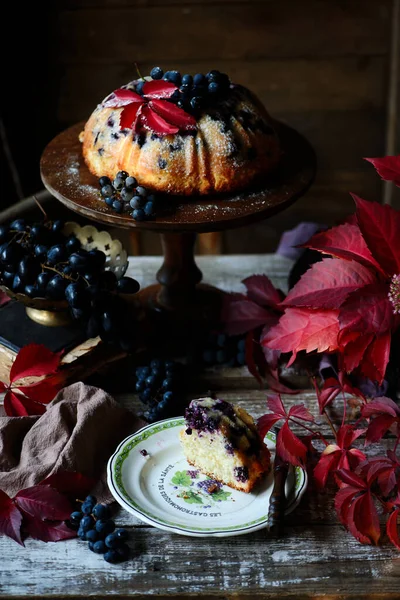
(326, 67)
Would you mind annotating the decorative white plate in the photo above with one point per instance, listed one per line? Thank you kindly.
(162, 488)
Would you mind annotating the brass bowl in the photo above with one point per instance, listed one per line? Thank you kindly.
(55, 313)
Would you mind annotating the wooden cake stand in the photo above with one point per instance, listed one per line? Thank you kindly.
(178, 292)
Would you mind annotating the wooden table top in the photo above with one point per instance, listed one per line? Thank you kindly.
(316, 558)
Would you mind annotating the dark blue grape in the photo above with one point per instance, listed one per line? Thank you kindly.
(41, 251)
(157, 363)
(87, 522)
(102, 511)
(162, 406)
(213, 75)
(43, 279)
(187, 80)
(105, 526)
(168, 384)
(199, 79)
(139, 87)
(241, 358)
(196, 102)
(57, 226)
(126, 194)
(75, 295)
(18, 225)
(76, 516)
(97, 258)
(79, 260)
(11, 254)
(168, 397)
(90, 545)
(122, 175)
(8, 278)
(112, 557)
(92, 535)
(92, 327)
(137, 202)
(87, 508)
(117, 206)
(128, 285)
(130, 182)
(82, 534)
(28, 268)
(99, 547)
(149, 209)
(39, 233)
(104, 181)
(142, 372)
(221, 356)
(156, 73)
(112, 540)
(140, 385)
(72, 244)
(4, 233)
(213, 88)
(151, 380)
(91, 499)
(30, 290)
(107, 190)
(241, 345)
(146, 396)
(107, 280)
(173, 77)
(141, 191)
(55, 289)
(122, 534)
(139, 214)
(17, 284)
(56, 254)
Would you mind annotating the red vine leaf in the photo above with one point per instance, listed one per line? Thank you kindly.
(154, 122)
(386, 415)
(261, 290)
(18, 405)
(48, 531)
(380, 226)
(10, 518)
(173, 114)
(289, 447)
(340, 455)
(344, 241)
(388, 167)
(241, 315)
(34, 360)
(129, 115)
(302, 329)
(43, 502)
(158, 88)
(376, 358)
(367, 311)
(328, 283)
(122, 97)
(391, 528)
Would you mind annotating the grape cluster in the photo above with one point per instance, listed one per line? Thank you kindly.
(123, 194)
(221, 349)
(40, 261)
(194, 92)
(159, 385)
(93, 524)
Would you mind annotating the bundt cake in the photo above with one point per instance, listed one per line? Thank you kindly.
(222, 441)
(182, 135)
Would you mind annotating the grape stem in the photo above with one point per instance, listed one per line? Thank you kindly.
(40, 207)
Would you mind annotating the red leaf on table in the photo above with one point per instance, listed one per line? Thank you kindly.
(43, 391)
(265, 423)
(299, 411)
(173, 114)
(18, 405)
(353, 352)
(241, 315)
(376, 358)
(352, 479)
(339, 455)
(388, 167)
(48, 531)
(344, 241)
(362, 519)
(384, 469)
(327, 464)
(34, 360)
(328, 283)
(10, 518)
(262, 291)
(385, 412)
(72, 484)
(154, 122)
(380, 226)
(391, 528)
(367, 311)
(43, 502)
(304, 329)
(333, 387)
(122, 97)
(275, 405)
(289, 447)
(129, 115)
(158, 88)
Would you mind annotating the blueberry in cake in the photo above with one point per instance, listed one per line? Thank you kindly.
(222, 441)
(182, 134)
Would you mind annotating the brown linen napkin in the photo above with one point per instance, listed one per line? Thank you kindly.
(80, 430)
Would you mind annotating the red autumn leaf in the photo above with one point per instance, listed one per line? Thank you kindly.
(249, 355)
(3, 387)
(10, 518)
(48, 531)
(302, 329)
(262, 291)
(362, 519)
(122, 97)
(388, 167)
(154, 122)
(386, 415)
(265, 423)
(328, 283)
(391, 528)
(353, 352)
(43, 502)
(383, 469)
(367, 311)
(289, 447)
(44, 391)
(380, 226)
(275, 405)
(34, 360)
(344, 241)
(272, 380)
(158, 88)
(301, 412)
(129, 115)
(4, 299)
(339, 455)
(18, 405)
(376, 358)
(70, 483)
(173, 114)
(241, 315)
(332, 388)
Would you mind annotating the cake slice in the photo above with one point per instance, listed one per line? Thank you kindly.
(222, 441)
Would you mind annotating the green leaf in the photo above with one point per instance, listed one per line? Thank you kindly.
(190, 497)
(181, 478)
(221, 495)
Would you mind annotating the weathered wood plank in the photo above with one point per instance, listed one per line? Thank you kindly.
(309, 28)
(314, 562)
(284, 86)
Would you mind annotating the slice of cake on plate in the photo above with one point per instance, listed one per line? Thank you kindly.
(222, 441)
